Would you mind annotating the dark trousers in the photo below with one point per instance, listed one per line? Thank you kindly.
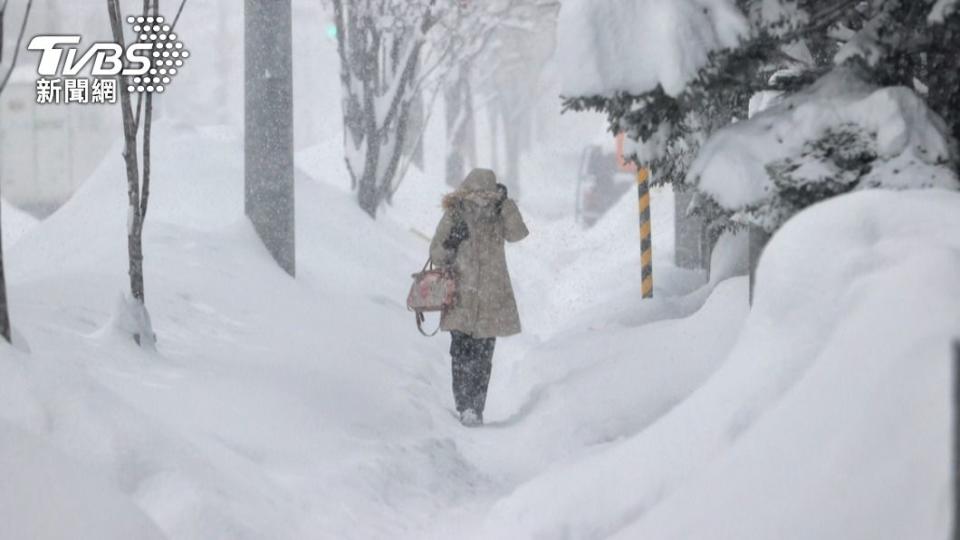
(472, 363)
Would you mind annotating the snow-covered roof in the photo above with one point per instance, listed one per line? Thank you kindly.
(607, 46)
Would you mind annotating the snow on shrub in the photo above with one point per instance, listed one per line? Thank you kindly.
(941, 10)
(841, 134)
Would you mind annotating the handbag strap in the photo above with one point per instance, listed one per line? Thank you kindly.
(420, 319)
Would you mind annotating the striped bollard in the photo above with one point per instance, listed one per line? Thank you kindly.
(646, 238)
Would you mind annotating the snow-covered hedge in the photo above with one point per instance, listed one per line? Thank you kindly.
(839, 135)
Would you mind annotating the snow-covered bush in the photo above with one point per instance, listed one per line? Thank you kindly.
(841, 134)
(831, 165)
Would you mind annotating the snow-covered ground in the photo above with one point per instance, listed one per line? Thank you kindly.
(279, 408)
(829, 416)
(16, 223)
(310, 407)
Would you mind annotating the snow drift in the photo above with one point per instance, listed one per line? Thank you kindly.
(16, 223)
(46, 495)
(829, 418)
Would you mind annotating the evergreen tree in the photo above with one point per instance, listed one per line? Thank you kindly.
(793, 43)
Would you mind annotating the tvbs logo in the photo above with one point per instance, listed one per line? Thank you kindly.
(148, 64)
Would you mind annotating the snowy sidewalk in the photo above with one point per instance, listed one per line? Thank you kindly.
(289, 409)
(310, 408)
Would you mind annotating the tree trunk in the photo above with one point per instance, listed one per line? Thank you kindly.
(138, 186)
(367, 193)
(135, 224)
(757, 239)
(689, 233)
(4, 311)
(268, 142)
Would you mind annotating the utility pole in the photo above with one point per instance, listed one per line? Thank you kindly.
(268, 139)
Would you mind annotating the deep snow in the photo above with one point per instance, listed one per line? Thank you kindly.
(16, 223)
(310, 408)
(829, 417)
(280, 408)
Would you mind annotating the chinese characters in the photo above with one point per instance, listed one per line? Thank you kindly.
(76, 90)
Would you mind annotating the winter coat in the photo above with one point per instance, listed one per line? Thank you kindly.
(485, 305)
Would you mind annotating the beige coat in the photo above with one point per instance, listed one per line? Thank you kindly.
(485, 305)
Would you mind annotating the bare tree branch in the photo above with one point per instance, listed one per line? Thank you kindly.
(176, 18)
(147, 129)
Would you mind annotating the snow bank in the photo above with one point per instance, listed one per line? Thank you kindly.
(16, 223)
(830, 417)
(46, 495)
(268, 398)
(669, 41)
(731, 256)
(596, 385)
(910, 140)
(197, 183)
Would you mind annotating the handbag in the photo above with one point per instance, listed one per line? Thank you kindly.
(433, 289)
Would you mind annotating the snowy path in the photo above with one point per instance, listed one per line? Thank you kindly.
(310, 408)
(302, 409)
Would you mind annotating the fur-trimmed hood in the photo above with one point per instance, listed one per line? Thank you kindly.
(479, 188)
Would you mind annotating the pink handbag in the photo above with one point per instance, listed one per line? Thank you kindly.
(433, 289)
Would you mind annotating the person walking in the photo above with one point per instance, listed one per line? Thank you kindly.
(478, 218)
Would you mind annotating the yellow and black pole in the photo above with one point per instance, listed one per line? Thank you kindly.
(646, 237)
